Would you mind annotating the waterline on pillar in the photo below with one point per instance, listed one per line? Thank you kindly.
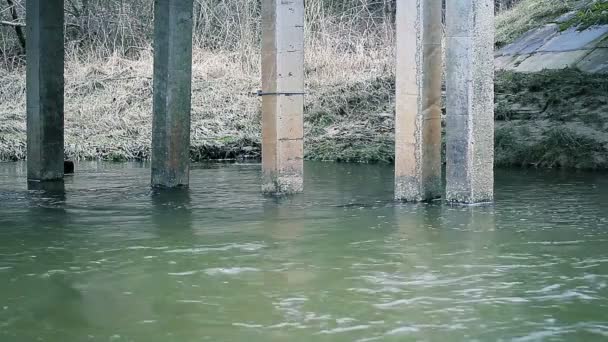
(52, 187)
(487, 203)
(410, 189)
(284, 184)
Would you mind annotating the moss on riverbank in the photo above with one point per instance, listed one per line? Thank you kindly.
(530, 14)
(552, 119)
(594, 14)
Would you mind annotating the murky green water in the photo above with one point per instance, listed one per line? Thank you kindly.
(110, 260)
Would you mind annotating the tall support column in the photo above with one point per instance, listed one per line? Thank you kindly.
(282, 96)
(45, 60)
(470, 101)
(172, 93)
(418, 104)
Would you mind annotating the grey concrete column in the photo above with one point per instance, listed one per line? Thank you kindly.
(172, 93)
(282, 96)
(470, 100)
(418, 101)
(45, 60)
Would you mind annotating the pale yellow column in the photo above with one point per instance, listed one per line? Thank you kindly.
(418, 101)
(282, 96)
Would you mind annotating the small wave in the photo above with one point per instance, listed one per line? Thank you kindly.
(402, 330)
(286, 324)
(362, 242)
(541, 335)
(516, 257)
(311, 316)
(376, 291)
(496, 300)
(248, 247)
(546, 289)
(247, 325)
(345, 320)
(401, 302)
(190, 301)
(593, 261)
(187, 273)
(293, 299)
(230, 271)
(344, 329)
(135, 248)
(566, 295)
(545, 243)
(598, 329)
(50, 273)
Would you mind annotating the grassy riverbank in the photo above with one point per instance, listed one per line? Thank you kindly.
(552, 119)
(556, 119)
(108, 106)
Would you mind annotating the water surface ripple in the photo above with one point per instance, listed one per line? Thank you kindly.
(108, 259)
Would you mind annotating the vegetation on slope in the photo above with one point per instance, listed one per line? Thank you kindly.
(553, 119)
(530, 14)
(594, 14)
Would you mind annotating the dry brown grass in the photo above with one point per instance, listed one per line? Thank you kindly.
(108, 93)
(108, 101)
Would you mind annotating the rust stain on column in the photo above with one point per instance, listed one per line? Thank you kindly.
(283, 101)
(418, 103)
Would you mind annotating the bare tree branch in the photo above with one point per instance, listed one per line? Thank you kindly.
(10, 23)
(18, 28)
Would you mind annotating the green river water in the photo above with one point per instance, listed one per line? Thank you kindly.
(108, 259)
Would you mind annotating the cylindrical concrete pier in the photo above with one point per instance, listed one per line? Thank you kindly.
(470, 100)
(282, 96)
(172, 93)
(45, 86)
(418, 101)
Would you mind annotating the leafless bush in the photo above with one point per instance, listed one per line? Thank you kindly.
(102, 28)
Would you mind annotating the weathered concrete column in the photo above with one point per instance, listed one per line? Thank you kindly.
(282, 96)
(418, 102)
(470, 100)
(172, 93)
(45, 60)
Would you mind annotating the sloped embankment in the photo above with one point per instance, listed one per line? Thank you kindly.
(552, 85)
(554, 118)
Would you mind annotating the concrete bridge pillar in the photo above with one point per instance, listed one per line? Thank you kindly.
(418, 101)
(282, 96)
(470, 100)
(172, 93)
(45, 86)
